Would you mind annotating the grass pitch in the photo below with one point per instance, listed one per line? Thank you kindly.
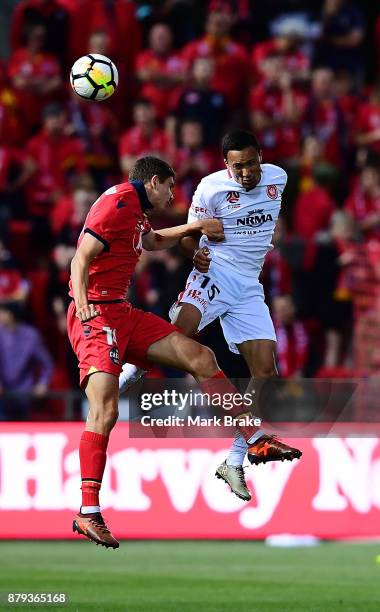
(194, 576)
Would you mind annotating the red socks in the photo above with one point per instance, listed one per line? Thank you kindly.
(219, 384)
(93, 456)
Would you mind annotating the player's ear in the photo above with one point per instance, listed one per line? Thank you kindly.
(154, 182)
(226, 162)
(260, 156)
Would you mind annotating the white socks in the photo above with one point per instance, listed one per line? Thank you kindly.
(239, 448)
(129, 375)
(89, 509)
(237, 451)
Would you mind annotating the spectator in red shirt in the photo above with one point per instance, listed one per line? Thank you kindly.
(35, 74)
(200, 102)
(292, 338)
(160, 70)
(13, 287)
(276, 111)
(68, 210)
(312, 212)
(54, 15)
(192, 160)
(143, 138)
(364, 203)
(324, 116)
(59, 159)
(287, 44)
(97, 127)
(231, 60)
(368, 122)
(117, 18)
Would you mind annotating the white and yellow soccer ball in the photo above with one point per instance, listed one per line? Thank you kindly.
(94, 77)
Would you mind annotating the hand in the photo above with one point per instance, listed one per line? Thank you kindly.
(201, 259)
(213, 229)
(87, 312)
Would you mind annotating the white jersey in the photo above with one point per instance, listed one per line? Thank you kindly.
(249, 217)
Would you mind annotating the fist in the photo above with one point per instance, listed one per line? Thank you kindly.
(87, 312)
(202, 259)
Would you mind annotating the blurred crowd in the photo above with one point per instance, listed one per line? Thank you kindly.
(303, 75)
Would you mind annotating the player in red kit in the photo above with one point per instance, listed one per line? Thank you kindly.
(105, 331)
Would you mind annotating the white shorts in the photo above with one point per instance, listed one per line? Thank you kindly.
(237, 300)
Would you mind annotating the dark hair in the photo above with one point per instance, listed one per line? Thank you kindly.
(146, 167)
(237, 140)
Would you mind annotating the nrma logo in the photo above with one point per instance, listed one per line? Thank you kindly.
(255, 218)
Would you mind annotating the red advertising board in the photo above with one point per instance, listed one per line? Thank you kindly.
(165, 488)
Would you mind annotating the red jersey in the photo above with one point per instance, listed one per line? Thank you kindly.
(163, 97)
(42, 65)
(231, 66)
(133, 142)
(360, 206)
(285, 139)
(117, 219)
(368, 121)
(293, 61)
(55, 158)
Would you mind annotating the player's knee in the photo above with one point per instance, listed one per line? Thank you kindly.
(204, 363)
(105, 414)
(265, 371)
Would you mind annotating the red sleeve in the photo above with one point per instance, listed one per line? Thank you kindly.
(101, 221)
(108, 218)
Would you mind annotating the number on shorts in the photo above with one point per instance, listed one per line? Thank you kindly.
(212, 291)
(111, 335)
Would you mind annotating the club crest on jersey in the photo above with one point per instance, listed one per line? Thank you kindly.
(232, 197)
(114, 355)
(272, 192)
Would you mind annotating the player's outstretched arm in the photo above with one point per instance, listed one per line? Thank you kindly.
(169, 237)
(89, 248)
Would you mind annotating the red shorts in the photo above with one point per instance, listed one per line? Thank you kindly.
(119, 334)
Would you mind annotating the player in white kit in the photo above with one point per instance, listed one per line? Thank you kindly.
(246, 197)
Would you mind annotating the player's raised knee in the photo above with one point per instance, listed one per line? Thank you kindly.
(204, 364)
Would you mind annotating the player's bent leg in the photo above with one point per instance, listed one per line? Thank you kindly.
(187, 318)
(178, 351)
(260, 358)
(184, 316)
(102, 392)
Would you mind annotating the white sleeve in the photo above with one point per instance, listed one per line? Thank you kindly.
(282, 180)
(201, 207)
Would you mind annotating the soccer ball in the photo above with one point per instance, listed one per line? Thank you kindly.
(94, 77)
